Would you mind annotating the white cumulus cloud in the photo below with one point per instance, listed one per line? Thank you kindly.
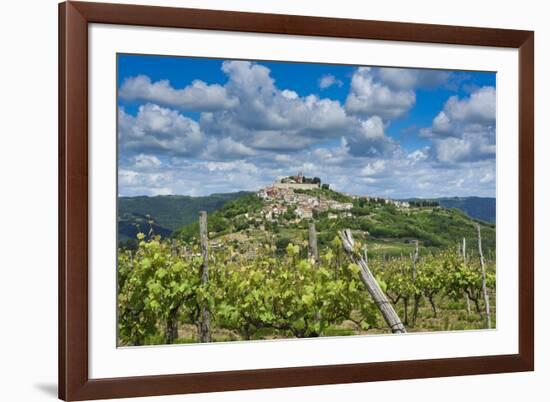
(268, 117)
(329, 80)
(464, 131)
(371, 97)
(409, 78)
(198, 96)
(226, 148)
(369, 139)
(158, 129)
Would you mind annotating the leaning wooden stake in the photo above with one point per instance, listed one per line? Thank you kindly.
(313, 252)
(204, 320)
(387, 310)
(468, 307)
(483, 279)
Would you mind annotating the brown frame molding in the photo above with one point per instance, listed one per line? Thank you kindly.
(74, 17)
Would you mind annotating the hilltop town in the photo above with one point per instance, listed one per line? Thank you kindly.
(306, 196)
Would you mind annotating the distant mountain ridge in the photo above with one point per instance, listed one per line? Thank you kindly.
(482, 208)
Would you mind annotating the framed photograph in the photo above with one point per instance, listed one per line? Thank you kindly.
(259, 200)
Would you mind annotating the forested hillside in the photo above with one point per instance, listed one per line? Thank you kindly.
(164, 213)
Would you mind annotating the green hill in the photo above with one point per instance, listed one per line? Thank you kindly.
(389, 228)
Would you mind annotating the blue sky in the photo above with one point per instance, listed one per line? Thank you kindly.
(198, 126)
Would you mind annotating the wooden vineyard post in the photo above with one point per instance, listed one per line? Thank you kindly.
(416, 293)
(368, 279)
(313, 251)
(415, 259)
(171, 329)
(204, 320)
(174, 248)
(483, 279)
(468, 307)
(172, 326)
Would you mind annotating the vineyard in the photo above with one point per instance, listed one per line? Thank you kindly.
(186, 290)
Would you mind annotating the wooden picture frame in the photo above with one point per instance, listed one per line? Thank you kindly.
(74, 381)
